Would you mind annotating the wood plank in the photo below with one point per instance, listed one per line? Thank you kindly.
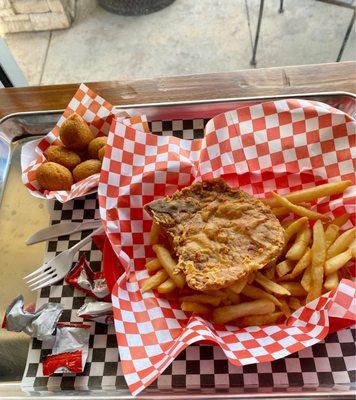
(246, 83)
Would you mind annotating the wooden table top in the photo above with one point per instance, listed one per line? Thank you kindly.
(246, 83)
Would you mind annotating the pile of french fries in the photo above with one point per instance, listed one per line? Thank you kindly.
(312, 263)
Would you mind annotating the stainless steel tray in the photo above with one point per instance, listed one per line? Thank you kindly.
(21, 214)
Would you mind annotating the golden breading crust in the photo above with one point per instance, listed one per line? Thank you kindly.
(53, 176)
(85, 169)
(95, 145)
(75, 133)
(61, 155)
(101, 153)
(219, 234)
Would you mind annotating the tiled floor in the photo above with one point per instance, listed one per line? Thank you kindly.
(190, 36)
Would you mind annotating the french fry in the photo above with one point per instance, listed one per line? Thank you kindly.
(306, 279)
(353, 249)
(285, 224)
(270, 285)
(294, 303)
(270, 271)
(284, 267)
(301, 243)
(153, 265)
(154, 234)
(167, 286)
(195, 308)
(239, 285)
(251, 278)
(284, 307)
(317, 263)
(260, 320)
(201, 299)
(282, 211)
(341, 220)
(155, 280)
(217, 293)
(312, 193)
(299, 210)
(341, 243)
(257, 293)
(331, 281)
(226, 302)
(335, 263)
(301, 265)
(222, 315)
(331, 233)
(295, 289)
(294, 228)
(235, 298)
(168, 263)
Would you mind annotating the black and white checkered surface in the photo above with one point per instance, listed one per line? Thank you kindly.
(328, 363)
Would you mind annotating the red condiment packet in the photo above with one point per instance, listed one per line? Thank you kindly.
(70, 350)
(85, 279)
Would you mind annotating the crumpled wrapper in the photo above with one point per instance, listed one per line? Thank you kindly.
(98, 114)
(97, 311)
(70, 349)
(278, 146)
(39, 324)
(85, 279)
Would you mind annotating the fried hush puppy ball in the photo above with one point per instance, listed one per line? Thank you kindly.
(75, 133)
(61, 155)
(53, 176)
(85, 169)
(101, 153)
(95, 145)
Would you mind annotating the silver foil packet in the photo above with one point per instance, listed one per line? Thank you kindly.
(70, 349)
(98, 311)
(39, 324)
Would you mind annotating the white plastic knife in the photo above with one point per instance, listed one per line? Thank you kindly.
(63, 228)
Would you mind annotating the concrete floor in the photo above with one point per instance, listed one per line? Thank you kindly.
(190, 36)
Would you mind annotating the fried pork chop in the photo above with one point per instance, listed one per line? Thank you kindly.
(219, 234)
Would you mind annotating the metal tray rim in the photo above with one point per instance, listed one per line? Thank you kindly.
(112, 393)
(194, 102)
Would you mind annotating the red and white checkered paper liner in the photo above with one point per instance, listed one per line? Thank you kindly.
(283, 145)
(98, 114)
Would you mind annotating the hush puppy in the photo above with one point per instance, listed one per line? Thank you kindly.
(53, 176)
(101, 153)
(95, 145)
(63, 156)
(85, 169)
(75, 133)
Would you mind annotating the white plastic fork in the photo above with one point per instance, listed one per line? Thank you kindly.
(57, 268)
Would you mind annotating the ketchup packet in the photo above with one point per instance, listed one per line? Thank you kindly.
(38, 324)
(70, 350)
(85, 279)
(98, 311)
